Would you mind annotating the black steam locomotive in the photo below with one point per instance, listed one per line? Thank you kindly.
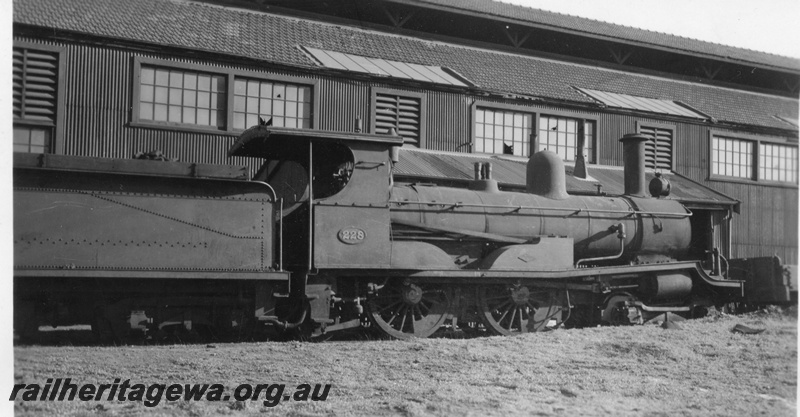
(322, 239)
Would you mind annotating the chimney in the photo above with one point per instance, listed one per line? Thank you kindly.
(633, 160)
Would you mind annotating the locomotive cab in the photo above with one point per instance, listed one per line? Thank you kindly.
(345, 199)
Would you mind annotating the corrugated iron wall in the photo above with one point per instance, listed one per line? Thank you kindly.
(341, 102)
(98, 89)
(449, 122)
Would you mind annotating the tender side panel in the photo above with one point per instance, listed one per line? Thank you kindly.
(101, 221)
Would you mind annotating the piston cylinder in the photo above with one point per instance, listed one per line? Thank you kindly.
(666, 286)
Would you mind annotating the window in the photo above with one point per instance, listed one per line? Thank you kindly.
(185, 97)
(288, 105)
(502, 131)
(35, 96)
(732, 157)
(32, 139)
(658, 150)
(400, 112)
(777, 162)
(177, 96)
(560, 135)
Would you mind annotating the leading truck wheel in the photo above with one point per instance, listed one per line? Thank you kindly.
(407, 310)
(515, 309)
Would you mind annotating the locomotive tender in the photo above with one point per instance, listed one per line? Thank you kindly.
(322, 239)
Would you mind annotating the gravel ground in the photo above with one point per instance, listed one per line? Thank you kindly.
(699, 369)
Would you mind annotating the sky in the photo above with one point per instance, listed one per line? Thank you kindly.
(768, 25)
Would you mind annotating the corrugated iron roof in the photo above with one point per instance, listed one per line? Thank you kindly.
(383, 67)
(273, 38)
(510, 171)
(625, 101)
(564, 22)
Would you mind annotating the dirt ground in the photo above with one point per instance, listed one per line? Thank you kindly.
(700, 369)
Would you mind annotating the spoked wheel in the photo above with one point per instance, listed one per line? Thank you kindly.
(515, 309)
(409, 309)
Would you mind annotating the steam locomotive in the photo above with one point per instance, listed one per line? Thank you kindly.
(322, 239)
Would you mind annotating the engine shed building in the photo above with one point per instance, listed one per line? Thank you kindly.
(460, 81)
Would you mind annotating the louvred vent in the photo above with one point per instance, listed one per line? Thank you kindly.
(35, 85)
(658, 150)
(401, 113)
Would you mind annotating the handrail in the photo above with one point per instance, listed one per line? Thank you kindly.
(572, 209)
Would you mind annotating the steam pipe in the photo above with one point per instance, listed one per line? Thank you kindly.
(620, 229)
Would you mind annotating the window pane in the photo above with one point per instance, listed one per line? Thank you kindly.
(147, 93)
(252, 120)
(189, 98)
(204, 83)
(240, 87)
(239, 104)
(238, 121)
(252, 105)
(162, 94)
(146, 111)
(190, 81)
(252, 88)
(291, 93)
(160, 112)
(175, 96)
(279, 91)
(202, 117)
(188, 115)
(291, 111)
(175, 79)
(162, 77)
(148, 76)
(203, 100)
(175, 114)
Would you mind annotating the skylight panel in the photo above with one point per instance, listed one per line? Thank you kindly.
(625, 101)
(385, 67)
